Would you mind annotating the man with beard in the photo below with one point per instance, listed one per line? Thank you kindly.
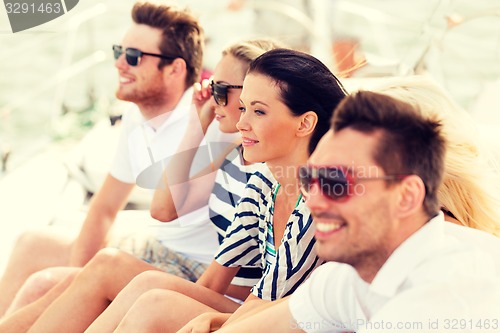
(158, 62)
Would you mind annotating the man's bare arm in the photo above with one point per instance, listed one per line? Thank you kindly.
(106, 203)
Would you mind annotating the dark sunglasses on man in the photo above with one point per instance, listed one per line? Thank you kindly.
(219, 91)
(133, 56)
(335, 182)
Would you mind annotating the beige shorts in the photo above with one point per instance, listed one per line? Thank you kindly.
(152, 251)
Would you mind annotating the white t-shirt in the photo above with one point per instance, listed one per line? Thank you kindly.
(142, 148)
(336, 299)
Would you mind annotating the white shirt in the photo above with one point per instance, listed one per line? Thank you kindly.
(336, 299)
(487, 242)
(470, 305)
(141, 148)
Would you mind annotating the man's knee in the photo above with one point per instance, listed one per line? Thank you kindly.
(39, 283)
(45, 279)
(32, 239)
(39, 244)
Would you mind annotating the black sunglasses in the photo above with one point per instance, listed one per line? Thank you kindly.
(133, 56)
(335, 182)
(219, 91)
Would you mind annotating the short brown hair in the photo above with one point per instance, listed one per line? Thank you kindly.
(409, 144)
(182, 35)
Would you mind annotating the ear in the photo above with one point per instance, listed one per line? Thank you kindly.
(176, 68)
(307, 123)
(411, 196)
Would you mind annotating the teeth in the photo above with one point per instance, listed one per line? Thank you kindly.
(327, 227)
(124, 80)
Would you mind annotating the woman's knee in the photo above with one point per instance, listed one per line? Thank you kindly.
(147, 313)
(155, 296)
(155, 279)
(109, 258)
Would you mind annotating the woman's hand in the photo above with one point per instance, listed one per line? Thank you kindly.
(202, 100)
(205, 323)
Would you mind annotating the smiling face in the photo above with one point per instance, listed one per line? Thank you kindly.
(361, 230)
(267, 126)
(229, 71)
(144, 84)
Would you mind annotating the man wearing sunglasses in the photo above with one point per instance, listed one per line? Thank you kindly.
(158, 61)
(371, 186)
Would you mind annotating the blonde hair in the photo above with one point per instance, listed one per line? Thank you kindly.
(248, 50)
(470, 189)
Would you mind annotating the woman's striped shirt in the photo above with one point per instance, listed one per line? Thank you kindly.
(245, 241)
(230, 182)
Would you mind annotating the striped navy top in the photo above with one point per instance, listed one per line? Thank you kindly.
(230, 182)
(245, 242)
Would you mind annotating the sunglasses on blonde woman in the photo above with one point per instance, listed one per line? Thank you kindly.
(134, 56)
(219, 91)
(334, 182)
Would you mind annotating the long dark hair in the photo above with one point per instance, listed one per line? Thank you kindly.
(306, 84)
